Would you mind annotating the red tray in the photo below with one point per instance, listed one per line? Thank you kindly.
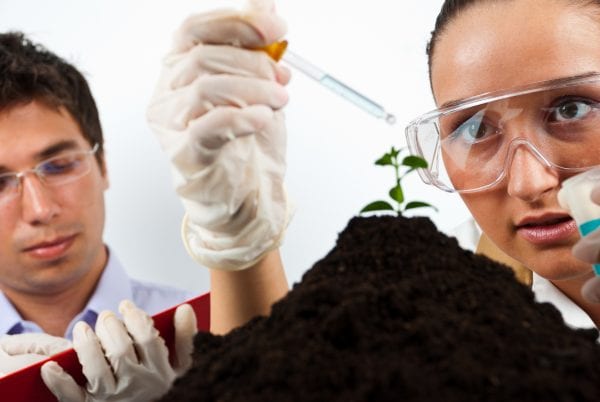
(26, 385)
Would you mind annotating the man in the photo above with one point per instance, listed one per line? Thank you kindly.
(52, 255)
(55, 269)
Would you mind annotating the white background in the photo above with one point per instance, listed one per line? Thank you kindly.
(377, 47)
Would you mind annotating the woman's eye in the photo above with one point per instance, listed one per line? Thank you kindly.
(472, 130)
(571, 110)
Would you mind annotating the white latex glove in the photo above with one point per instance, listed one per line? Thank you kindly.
(588, 249)
(19, 351)
(216, 112)
(124, 360)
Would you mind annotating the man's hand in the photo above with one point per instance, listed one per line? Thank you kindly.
(216, 112)
(19, 351)
(124, 360)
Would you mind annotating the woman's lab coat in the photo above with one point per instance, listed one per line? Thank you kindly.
(469, 236)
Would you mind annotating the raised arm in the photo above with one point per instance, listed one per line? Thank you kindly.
(237, 296)
(217, 114)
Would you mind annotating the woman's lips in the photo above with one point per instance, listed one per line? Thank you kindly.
(51, 249)
(548, 232)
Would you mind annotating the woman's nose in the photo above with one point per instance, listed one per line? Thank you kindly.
(529, 175)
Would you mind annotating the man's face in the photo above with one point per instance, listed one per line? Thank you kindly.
(50, 236)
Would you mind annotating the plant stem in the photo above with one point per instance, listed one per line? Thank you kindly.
(397, 172)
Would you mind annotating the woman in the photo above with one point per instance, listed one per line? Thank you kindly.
(506, 155)
(518, 91)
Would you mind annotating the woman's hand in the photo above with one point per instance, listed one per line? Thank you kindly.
(217, 114)
(588, 249)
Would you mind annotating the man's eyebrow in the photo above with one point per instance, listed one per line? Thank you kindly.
(56, 148)
(49, 152)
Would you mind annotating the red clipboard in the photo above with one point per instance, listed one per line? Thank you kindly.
(26, 385)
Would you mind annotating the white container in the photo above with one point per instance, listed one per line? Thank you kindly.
(575, 196)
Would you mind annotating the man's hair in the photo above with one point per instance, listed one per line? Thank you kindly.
(29, 72)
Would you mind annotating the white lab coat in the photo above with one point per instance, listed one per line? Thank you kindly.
(468, 234)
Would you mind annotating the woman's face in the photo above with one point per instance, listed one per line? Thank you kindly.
(500, 45)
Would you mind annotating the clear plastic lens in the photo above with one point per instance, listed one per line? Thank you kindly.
(61, 168)
(7, 183)
(470, 145)
(54, 171)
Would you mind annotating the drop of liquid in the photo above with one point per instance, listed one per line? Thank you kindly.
(390, 119)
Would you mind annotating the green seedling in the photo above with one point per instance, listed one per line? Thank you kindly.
(401, 168)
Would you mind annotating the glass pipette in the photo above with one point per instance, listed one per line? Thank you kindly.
(279, 51)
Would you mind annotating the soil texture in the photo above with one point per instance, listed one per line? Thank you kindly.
(397, 311)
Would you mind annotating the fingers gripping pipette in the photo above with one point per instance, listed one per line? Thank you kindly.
(278, 51)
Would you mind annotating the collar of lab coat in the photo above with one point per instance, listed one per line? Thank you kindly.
(572, 314)
(542, 288)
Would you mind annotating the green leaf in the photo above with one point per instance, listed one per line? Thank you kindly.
(384, 160)
(414, 162)
(377, 206)
(418, 204)
(394, 152)
(397, 194)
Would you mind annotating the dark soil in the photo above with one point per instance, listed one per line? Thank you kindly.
(398, 312)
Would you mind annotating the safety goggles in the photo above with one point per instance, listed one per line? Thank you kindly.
(469, 145)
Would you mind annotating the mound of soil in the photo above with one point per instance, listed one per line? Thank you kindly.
(397, 311)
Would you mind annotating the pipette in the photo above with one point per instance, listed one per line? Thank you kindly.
(278, 51)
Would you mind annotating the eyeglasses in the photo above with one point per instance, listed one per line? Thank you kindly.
(58, 170)
(469, 145)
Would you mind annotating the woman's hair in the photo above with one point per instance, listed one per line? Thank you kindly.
(451, 8)
(29, 72)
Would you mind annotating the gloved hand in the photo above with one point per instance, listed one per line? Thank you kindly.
(19, 351)
(216, 112)
(588, 249)
(124, 361)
